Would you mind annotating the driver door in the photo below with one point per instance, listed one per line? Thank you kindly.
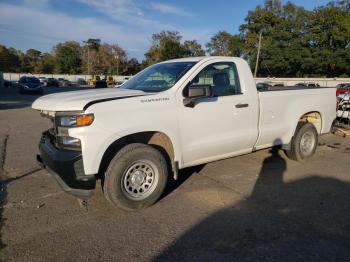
(219, 126)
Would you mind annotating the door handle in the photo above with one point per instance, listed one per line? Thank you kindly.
(241, 105)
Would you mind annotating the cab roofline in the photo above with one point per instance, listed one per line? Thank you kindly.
(196, 59)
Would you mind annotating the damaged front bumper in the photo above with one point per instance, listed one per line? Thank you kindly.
(66, 167)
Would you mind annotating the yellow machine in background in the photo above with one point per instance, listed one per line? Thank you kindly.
(110, 81)
(92, 81)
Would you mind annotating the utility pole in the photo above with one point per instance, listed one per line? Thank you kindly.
(88, 60)
(258, 55)
(88, 51)
(117, 57)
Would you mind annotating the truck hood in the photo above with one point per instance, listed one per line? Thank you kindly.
(77, 100)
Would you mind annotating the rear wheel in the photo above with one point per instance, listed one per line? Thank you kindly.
(304, 142)
(136, 177)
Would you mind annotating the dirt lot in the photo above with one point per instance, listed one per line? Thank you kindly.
(257, 207)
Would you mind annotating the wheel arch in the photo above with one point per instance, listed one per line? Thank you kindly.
(157, 139)
(313, 117)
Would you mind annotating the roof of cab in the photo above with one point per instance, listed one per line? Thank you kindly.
(195, 59)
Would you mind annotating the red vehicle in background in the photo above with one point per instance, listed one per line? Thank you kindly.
(343, 88)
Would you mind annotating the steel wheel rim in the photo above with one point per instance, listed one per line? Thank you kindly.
(307, 143)
(140, 179)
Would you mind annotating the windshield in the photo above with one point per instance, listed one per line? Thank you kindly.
(32, 80)
(158, 77)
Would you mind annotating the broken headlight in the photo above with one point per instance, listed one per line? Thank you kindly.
(69, 143)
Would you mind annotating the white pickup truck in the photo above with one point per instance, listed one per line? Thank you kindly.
(172, 115)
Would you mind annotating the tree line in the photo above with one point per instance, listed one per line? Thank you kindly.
(91, 57)
(295, 43)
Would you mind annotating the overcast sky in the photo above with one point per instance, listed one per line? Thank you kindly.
(41, 24)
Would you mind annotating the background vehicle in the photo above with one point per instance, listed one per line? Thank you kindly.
(172, 115)
(343, 105)
(343, 88)
(52, 82)
(263, 86)
(101, 84)
(11, 83)
(60, 79)
(63, 82)
(92, 81)
(308, 84)
(66, 83)
(119, 83)
(7, 83)
(43, 80)
(81, 81)
(266, 85)
(29, 85)
(109, 80)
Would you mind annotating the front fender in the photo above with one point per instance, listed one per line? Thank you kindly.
(94, 148)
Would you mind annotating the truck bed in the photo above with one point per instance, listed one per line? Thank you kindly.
(282, 107)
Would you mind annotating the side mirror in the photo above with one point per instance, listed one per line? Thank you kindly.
(196, 92)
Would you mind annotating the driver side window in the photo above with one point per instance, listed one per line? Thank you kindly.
(222, 77)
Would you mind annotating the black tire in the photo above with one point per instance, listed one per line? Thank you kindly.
(114, 186)
(296, 151)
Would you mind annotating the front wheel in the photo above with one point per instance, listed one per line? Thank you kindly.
(304, 142)
(136, 177)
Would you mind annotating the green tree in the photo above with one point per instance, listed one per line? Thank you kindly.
(68, 58)
(31, 59)
(225, 44)
(90, 57)
(33, 54)
(220, 44)
(284, 46)
(329, 39)
(9, 60)
(343, 4)
(108, 58)
(297, 42)
(170, 50)
(133, 67)
(46, 64)
(165, 45)
(192, 48)
(93, 43)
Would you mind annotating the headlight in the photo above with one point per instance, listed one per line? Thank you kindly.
(74, 120)
(69, 143)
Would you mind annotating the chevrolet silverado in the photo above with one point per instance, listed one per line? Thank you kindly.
(170, 116)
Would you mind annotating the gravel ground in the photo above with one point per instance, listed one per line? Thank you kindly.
(257, 207)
